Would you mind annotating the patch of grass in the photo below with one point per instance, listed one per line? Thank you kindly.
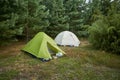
(8, 75)
(99, 57)
(80, 63)
(8, 61)
(106, 59)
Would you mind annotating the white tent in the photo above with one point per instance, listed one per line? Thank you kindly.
(67, 38)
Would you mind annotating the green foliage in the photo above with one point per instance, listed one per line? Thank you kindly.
(18, 16)
(74, 14)
(37, 17)
(27, 17)
(98, 31)
(105, 33)
(57, 18)
(83, 32)
(64, 15)
(8, 17)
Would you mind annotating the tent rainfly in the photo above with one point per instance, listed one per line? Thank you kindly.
(67, 38)
(40, 45)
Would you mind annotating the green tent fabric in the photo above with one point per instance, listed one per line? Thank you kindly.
(39, 45)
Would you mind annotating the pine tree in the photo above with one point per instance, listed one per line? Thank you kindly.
(8, 17)
(73, 13)
(17, 16)
(57, 17)
(37, 16)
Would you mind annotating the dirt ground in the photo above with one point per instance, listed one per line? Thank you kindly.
(11, 49)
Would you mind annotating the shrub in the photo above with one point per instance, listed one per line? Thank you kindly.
(105, 33)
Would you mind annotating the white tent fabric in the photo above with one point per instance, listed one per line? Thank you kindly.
(67, 38)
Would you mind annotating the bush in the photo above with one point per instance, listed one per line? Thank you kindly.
(105, 33)
(83, 32)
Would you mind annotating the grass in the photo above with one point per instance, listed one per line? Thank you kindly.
(80, 63)
(8, 75)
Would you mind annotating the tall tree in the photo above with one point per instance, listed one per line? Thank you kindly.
(73, 13)
(37, 16)
(8, 17)
(57, 17)
(17, 16)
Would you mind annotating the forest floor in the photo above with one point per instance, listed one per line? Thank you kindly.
(80, 63)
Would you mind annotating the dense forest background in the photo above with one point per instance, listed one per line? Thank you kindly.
(97, 20)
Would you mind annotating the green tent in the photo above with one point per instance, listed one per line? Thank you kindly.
(40, 45)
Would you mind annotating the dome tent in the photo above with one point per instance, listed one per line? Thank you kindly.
(39, 46)
(67, 38)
